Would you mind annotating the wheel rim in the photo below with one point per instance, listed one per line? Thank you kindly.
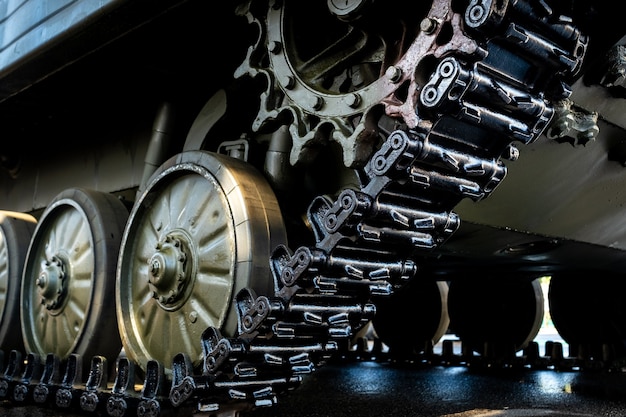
(49, 293)
(15, 237)
(68, 276)
(197, 235)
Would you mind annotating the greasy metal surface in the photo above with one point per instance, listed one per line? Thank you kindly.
(476, 246)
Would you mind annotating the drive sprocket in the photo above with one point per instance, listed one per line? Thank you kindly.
(361, 64)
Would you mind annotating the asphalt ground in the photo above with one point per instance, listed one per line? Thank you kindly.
(370, 388)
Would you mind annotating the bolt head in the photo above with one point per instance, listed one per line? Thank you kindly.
(288, 82)
(354, 100)
(318, 103)
(428, 25)
(274, 47)
(394, 74)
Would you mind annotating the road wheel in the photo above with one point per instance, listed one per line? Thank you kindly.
(68, 285)
(203, 229)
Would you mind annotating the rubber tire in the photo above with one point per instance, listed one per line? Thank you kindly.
(505, 312)
(16, 235)
(106, 217)
(588, 311)
(415, 316)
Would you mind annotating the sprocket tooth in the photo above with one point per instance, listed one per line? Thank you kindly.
(317, 116)
(357, 143)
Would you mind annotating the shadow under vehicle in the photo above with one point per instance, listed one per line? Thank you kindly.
(206, 201)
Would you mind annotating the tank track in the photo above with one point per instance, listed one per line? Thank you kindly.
(577, 359)
(367, 239)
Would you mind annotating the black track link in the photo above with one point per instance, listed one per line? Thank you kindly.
(366, 239)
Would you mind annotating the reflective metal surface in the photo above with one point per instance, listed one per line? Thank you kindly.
(66, 285)
(374, 389)
(197, 235)
(422, 105)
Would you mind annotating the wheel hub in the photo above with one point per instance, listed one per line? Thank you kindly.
(168, 270)
(52, 283)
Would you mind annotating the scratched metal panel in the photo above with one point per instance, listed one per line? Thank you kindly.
(26, 26)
